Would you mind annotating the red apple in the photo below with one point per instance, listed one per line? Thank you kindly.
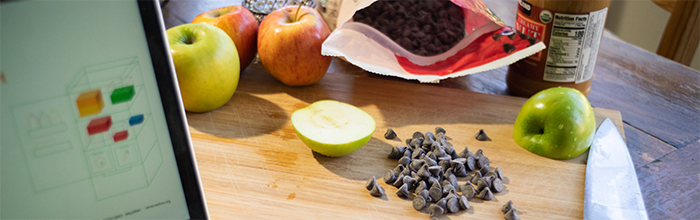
(289, 45)
(240, 24)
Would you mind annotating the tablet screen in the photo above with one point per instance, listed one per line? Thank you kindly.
(83, 134)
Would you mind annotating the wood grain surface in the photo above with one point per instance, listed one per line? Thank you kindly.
(254, 166)
(659, 101)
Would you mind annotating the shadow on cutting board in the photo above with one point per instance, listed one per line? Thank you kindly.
(243, 116)
(370, 160)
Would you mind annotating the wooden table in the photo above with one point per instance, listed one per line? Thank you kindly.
(659, 102)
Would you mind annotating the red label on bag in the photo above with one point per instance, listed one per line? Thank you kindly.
(532, 28)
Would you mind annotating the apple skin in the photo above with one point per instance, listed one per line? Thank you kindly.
(240, 24)
(556, 123)
(291, 50)
(207, 65)
(339, 128)
(334, 150)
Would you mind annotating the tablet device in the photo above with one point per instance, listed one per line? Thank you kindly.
(92, 124)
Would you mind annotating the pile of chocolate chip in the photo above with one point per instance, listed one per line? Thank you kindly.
(422, 27)
(431, 169)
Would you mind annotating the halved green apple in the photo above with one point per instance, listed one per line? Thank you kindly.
(333, 128)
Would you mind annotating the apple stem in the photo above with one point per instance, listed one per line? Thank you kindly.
(296, 18)
(189, 40)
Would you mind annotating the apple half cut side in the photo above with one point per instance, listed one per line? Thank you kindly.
(333, 128)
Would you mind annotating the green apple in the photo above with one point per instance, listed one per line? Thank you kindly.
(207, 65)
(333, 128)
(556, 123)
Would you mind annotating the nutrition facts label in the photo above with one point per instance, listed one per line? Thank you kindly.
(573, 46)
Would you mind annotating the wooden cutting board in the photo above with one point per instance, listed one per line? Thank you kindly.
(253, 166)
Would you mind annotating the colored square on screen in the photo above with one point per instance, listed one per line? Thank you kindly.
(90, 103)
(99, 125)
(123, 94)
(136, 119)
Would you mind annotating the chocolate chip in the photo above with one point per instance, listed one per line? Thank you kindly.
(370, 183)
(497, 185)
(398, 169)
(470, 164)
(478, 154)
(441, 138)
(425, 194)
(464, 152)
(416, 164)
(394, 18)
(445, 164)
(410, 181)
(451, 151)
(399, 181)
(377, 191)
(439, 152)
(423, 172)
(512, 35)
(421, 186)
(435, 170)
(453, 205)
(491, 174)
(419, 203)
(468, 190)
(496, 36)
(403, 191)
(510, 215)
(499, 173)
(405, 161)
(435, 192)
(436, 211)
(523, 36)
(463, 203)
(440, 130)
(430, 154)
(418, 153)
(418, 134)
(453, 180)
(397, 152)
(484, 170)
(459, 160)
(390, 177)
(481, 135)
(508, 48)
(445, 157)
(390, 134)
(486, 194)
(447, 173)
(475, 177)
(408, 152)
(451, 194)
(447, 188)
(507, 207)
(432, 180)
(429, 136)
(416, 143)
(442, 203)
(429, 160)
(484, 162)
(459, 170)
(482, 184)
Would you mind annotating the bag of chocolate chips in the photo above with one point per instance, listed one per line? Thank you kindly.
(425, 40)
